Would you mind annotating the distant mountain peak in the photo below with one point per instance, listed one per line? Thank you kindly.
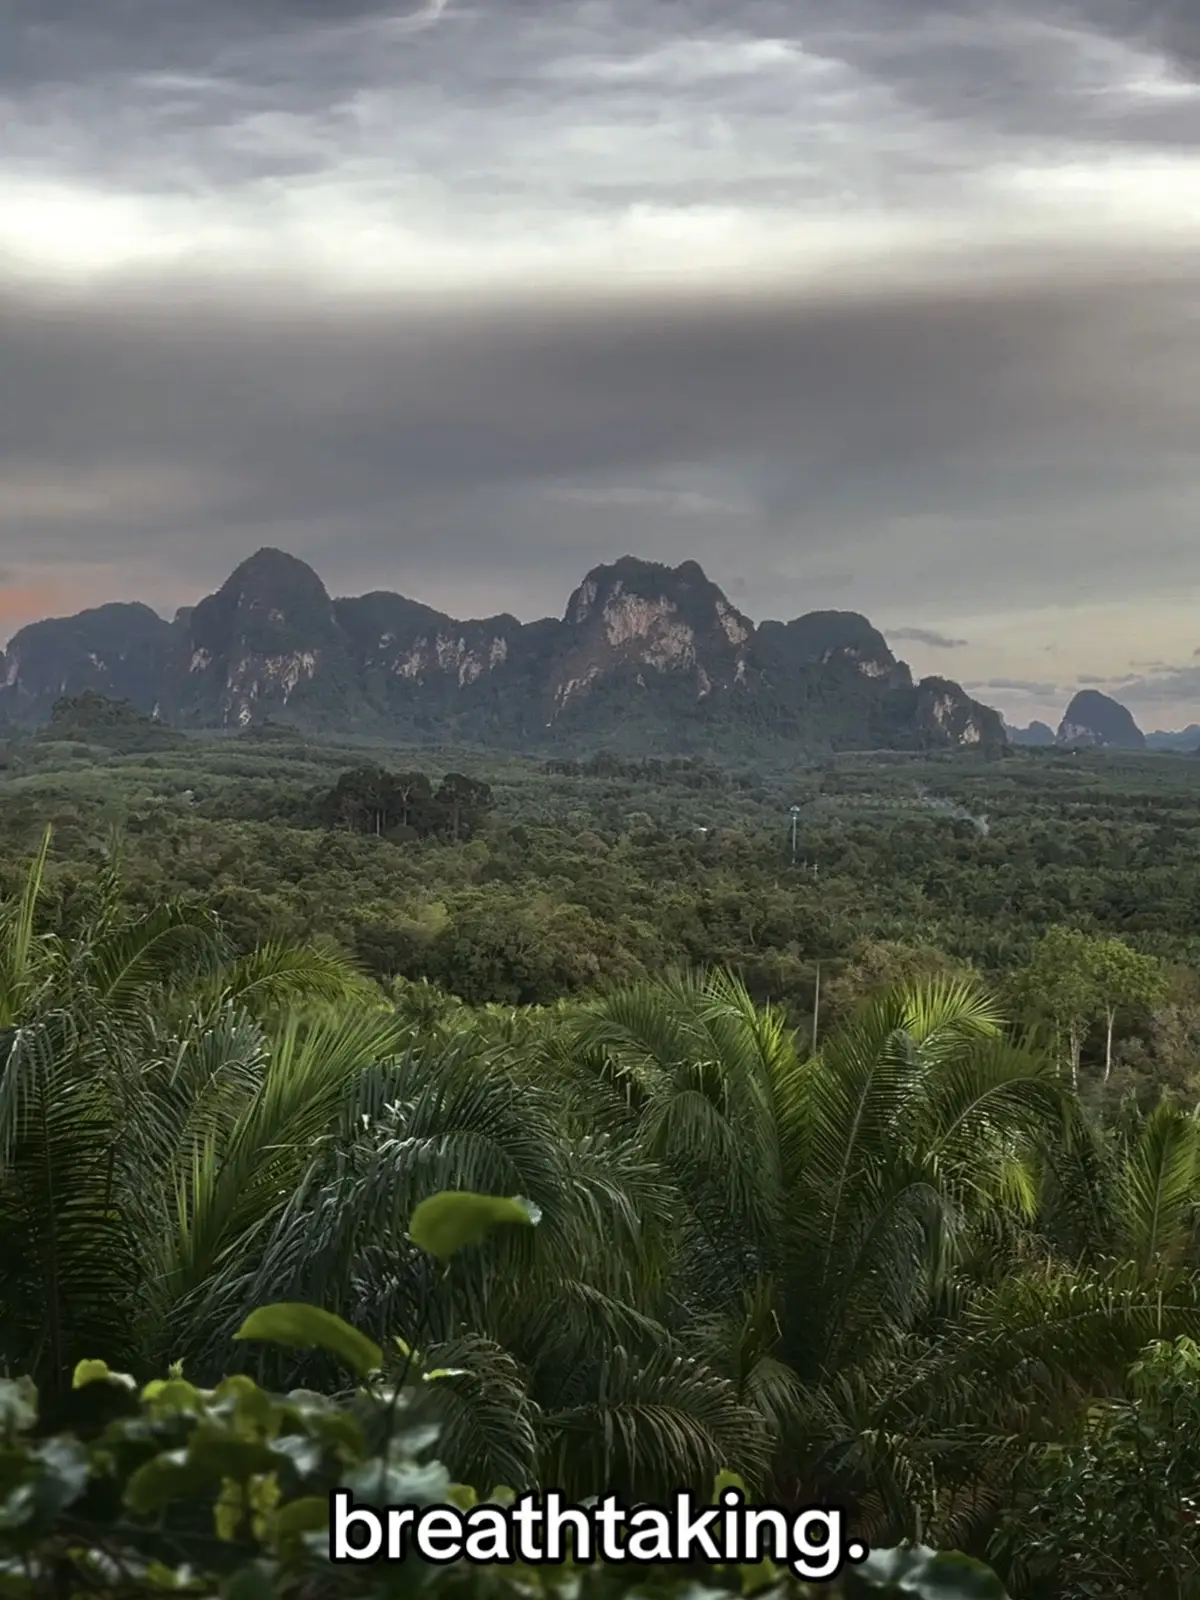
(690, 572)
(1036, 734)
(646, 616)
(638, 570)
(274, 574)
(1097, 721)
(262, 635)
(822, 636)
(1186, 739)
(633, 573)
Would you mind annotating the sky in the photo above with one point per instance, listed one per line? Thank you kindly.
(883, 305)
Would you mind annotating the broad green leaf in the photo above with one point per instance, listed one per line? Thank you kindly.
(226, 1455)
(307, 1515)
(304, 1327)
(928, 1574)
(411, 1441)
(229, 1512)
(17, 1508)
(443, 1224)
(251, 1582)
(241, 1388)
(159, 1576)
(99, 1372)
(304, 1454)
(166, 1478)
(173, 1394)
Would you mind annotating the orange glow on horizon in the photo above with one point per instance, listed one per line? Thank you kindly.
(30, 603)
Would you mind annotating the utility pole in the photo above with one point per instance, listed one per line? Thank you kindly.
(795, 819)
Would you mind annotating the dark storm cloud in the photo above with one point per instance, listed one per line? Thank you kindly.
(1047, 68)
(837, 415)
(899, 95)
(927, 636)
(1172, 687)
(933, 451)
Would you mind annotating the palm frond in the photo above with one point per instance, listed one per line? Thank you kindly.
(277, 973)
(1156, 1192)
(646, 1428)
(18, 940)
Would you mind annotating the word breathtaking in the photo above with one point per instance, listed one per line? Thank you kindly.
(811, 1542)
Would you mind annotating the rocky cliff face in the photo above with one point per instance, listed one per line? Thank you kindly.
(646, 657)
(253, 648)
(1096, 721)
(946, 715)
(651, 618)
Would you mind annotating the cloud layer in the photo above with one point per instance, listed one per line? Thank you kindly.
(463, 299)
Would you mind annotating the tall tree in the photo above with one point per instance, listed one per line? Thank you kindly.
(1124, 977)
(1062, 983)
(99, 1034)
(463, 803)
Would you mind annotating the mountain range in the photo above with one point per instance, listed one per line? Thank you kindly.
(645, 658)
(1096, 721)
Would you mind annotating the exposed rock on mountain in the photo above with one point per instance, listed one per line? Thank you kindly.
(945, 715)
(642, 615)
(1096, 721)
(269, 631)
(647, 658)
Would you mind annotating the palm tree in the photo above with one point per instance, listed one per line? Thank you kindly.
(95, 1035)
(798, 1266)
(561, 1373)
(875, 1270)
(1128, 1192)
(826, 1203)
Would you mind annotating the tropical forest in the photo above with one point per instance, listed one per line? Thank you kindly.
(449, 1126)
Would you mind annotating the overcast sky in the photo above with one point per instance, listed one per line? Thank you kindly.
(889, 305)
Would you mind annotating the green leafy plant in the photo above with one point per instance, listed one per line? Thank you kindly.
(1117, 1510)
(197, 1492)
(189, 1490)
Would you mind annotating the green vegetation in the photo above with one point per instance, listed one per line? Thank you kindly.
(573, 876)
(193, 1491)
(920, 1243)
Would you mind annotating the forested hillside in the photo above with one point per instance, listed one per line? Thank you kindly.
(509, 880)
(884, 1197)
